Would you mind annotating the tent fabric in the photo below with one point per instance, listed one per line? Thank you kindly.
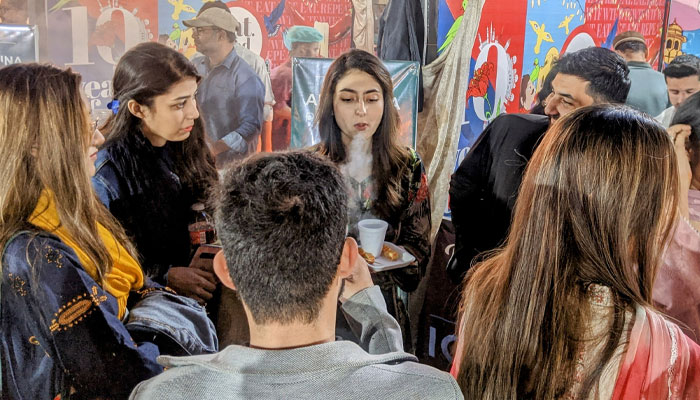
(445, 83)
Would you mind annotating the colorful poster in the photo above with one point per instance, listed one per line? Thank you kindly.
(90, 35)
(18, 43)
(518, 42)
(494, 81)
(551, 27)
(606, 18)
(555, 28)
(683, 34)
(263, 24)
(308, 74)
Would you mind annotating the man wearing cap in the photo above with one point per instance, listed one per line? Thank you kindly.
(301, 41)
(682, 79)
(648, 90)
(230, 95)
(261, 69)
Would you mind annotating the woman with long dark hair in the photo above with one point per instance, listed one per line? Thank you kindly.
(67, 266)
(564, 309)
(359, 125)
(156, 164)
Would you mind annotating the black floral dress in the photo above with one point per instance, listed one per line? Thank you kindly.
(409, 228)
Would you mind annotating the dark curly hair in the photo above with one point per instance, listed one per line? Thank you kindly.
(604, 70)
(282, 220)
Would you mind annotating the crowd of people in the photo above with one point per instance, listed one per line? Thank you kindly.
(577, 233)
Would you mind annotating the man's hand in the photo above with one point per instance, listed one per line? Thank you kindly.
(218, 147)
(195, 283)
(360, 279)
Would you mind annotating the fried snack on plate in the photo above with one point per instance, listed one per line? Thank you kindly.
(369, 257)
(389, 253)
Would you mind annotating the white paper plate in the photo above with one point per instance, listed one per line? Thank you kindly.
(384, 264)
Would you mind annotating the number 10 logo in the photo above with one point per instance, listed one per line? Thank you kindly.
(135, 32)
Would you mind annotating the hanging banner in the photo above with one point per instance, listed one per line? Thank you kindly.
(308, 74)
(18, 44)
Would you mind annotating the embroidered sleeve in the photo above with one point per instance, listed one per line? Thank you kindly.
(76, 320)
(415, 223)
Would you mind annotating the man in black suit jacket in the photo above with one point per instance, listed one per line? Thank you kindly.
(484, 188)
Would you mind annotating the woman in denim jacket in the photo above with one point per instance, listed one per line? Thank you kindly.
(156, 164)
(68, 269)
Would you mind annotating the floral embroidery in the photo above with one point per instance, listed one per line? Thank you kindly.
(96, 299)
(599, 295)
(17, 284)
(76, 310)
(54, 256)
(33, 340)
(423, 191)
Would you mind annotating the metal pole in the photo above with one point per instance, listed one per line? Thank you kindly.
(664, 29)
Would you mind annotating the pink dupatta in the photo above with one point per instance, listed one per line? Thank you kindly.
(660, 362)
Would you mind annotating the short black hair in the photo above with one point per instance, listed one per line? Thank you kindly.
(604, 70)
(632, 47)
(688, 113)
(282, 219)
(683, 66)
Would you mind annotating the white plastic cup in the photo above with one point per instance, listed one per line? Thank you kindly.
(372, 232)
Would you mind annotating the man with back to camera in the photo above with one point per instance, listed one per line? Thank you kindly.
(484, 188)
(648, 87)
(282, 220)
(682, 79)
(230, 94)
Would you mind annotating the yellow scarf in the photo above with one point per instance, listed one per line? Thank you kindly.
(126, 274)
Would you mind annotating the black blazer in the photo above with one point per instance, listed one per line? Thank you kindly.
(484, 187)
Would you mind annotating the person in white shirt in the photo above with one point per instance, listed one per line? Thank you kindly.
(682, 79)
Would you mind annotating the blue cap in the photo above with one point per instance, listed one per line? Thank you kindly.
(302, 34)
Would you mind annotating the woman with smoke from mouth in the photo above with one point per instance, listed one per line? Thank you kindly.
(359, 127)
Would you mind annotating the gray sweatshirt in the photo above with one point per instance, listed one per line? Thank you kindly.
(336, 370)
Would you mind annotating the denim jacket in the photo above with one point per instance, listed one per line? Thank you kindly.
(61, 334)
(155, 218)
(60, 330)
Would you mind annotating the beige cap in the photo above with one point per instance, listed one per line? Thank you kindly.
(629, 36)
(214, 17)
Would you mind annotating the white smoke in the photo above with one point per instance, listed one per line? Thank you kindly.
(359, 159)
(357, 167)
